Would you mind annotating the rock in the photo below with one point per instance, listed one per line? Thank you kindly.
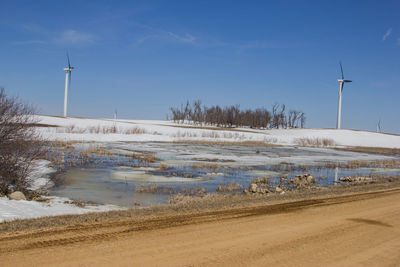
(253, 188)
(278, 190)
(17, 195)
(303, 180)
(310, 179)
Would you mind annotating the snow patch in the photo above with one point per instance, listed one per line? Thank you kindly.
(24, 209)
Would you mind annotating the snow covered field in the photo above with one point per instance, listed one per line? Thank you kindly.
(100, 130)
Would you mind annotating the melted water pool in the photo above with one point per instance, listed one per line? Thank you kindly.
(186, 167)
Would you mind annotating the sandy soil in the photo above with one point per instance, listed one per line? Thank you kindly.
(360, 229)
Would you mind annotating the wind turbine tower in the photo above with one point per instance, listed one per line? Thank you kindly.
(341, 85)
(67, 84)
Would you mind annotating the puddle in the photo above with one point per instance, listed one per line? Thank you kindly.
(124, 181)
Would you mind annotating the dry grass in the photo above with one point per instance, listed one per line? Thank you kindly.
(163, 167)
(101, 130)
(210, 166)
(135, 130)
(148, 188)
(354, 164)
(184, 135)
(375, 150)
(315, 142)
(210, 135)
(229, 187)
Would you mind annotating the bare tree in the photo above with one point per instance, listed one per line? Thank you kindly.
(293, 118)
(302, 120)
(19, 144)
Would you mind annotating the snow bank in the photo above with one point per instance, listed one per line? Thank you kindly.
(82, 129)
(23, 209)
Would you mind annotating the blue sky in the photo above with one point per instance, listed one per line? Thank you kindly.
(141, 57)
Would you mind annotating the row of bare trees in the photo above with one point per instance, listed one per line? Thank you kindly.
(233, 116)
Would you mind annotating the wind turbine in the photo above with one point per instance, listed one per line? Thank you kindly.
(378, 127)
(67, 84)
(341, 84)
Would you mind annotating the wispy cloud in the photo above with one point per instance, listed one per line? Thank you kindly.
(37, 35)
(34, 29)
(167, 36)
(73, 37)
(187, 38)
(29, 42)
(271, 44)
(387, 34)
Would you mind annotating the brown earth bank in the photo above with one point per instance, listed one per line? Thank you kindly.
(359, 228)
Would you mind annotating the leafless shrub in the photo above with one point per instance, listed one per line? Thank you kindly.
(19, 144)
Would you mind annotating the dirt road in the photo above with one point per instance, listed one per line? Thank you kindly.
(362, 229)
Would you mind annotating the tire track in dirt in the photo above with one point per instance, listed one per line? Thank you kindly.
(95, 232)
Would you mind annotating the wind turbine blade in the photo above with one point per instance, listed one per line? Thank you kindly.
(342, 85)
(69, 64)
(341, 69)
